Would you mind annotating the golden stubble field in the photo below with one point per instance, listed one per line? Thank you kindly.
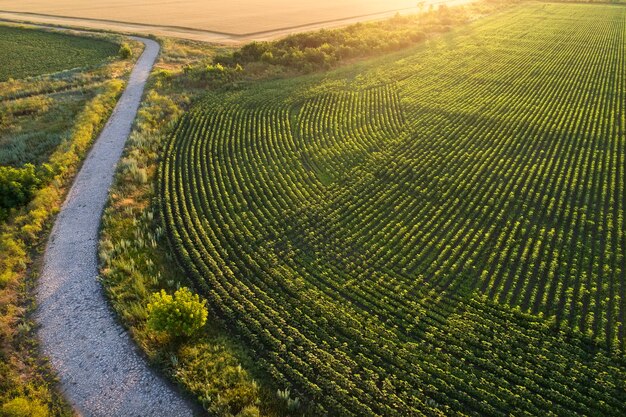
(235, 16)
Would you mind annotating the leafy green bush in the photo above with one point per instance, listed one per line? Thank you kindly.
(213, 73)
(18, 185)
(249, 411)
(23, 407)
(125, 51)
(180, 315)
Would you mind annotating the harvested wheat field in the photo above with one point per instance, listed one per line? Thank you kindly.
(234, 17)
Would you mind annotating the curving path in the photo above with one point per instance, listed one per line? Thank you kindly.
(100, 370)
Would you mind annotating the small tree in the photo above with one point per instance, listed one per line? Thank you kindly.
(125, 51)
(179, 315)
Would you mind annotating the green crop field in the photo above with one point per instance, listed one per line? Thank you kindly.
(27, 52)
(440, 231)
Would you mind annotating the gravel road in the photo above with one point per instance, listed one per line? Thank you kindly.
(100, 369)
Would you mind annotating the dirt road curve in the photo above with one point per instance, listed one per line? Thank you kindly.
(100, 369)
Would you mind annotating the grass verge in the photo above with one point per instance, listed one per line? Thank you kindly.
(27, 383)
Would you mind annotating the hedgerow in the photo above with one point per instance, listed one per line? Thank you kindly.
(327, 48)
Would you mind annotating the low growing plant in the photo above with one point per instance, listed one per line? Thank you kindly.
(125, 51)
(23, 407)
(182, 314)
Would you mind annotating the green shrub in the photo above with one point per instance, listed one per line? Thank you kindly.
(125, 51)
(18, 185)
(250, 411)
(267, 56)
(180, 315)
(23, 407)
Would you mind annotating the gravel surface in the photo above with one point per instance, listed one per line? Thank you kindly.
(100, 369)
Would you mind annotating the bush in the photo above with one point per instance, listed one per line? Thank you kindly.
(23, 407)
(180, 315)
(125, 51)
(18, 185)
(216, 378)
(250, 411)
(267, 56)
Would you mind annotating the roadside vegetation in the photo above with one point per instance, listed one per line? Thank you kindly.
(47, 124)
(136, 262)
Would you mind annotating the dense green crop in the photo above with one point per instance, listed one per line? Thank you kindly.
(441, 231)
(27, 52)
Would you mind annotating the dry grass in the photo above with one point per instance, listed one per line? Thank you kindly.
(238, 16)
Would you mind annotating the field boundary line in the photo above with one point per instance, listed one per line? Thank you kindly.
(215, 35)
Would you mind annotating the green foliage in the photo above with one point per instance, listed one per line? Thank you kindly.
(267, 56)
(125, 51)
(323, 49)
(29, 52)
(291, 404)
(23, 407)
(27, 107)
(439, 231)
(180, 315)
(216, 74)
(250, 411)
(217, 380)
(17, 186)
(25, 383)
(159, 108)
(135, 263)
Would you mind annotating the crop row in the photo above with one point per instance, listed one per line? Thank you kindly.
(446, 241)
